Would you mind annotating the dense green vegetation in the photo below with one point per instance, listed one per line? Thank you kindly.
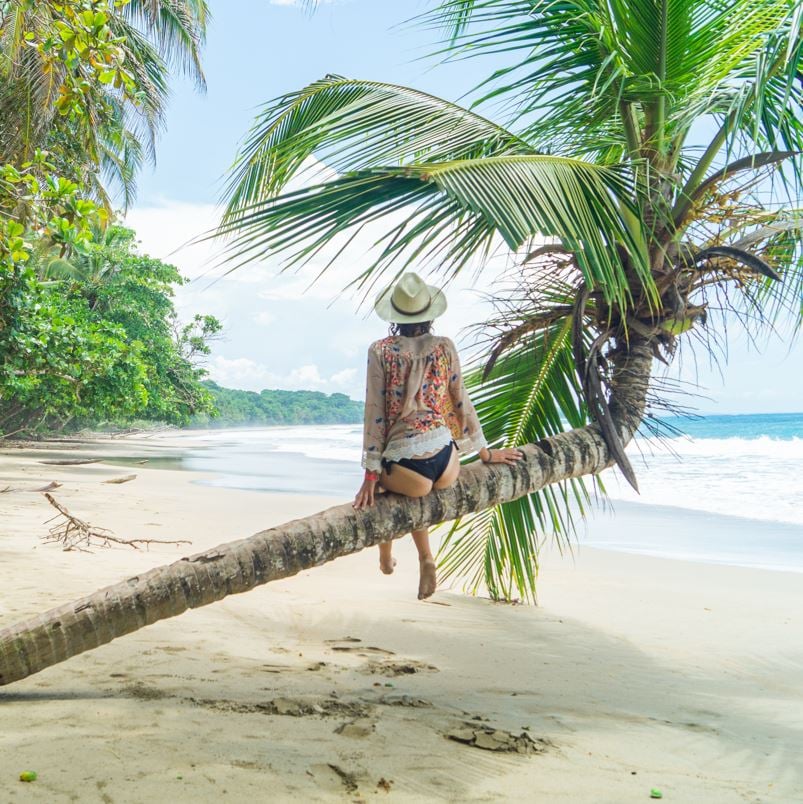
(88, 332)
(236, 408)
(95, 340)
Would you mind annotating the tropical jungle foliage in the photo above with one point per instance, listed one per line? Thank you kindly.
(96, 340)
(268, 407)
(88, 332)
(638, 166)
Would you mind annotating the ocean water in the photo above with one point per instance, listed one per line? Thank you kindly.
(730, 490)
(743, 466)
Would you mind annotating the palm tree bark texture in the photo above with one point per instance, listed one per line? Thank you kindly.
(56, 635)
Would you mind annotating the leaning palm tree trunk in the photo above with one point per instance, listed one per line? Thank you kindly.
(66, 631)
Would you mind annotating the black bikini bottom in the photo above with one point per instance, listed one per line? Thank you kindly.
(432, 467)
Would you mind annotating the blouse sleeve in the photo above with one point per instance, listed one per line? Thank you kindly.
(375, 429)
(471, 438)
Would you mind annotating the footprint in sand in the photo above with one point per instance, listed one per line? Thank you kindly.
(392, 669)
(490, 739)
(362, 650)
(358, 728)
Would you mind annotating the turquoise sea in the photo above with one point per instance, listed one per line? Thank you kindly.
(730, 490)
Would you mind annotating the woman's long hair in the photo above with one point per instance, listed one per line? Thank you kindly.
(411, 330)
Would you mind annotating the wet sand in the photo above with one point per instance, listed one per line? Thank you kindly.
(632, 673)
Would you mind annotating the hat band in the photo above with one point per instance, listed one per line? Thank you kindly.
(410, 312)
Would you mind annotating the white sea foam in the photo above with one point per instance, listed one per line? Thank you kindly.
(756, 478)
(759, 478)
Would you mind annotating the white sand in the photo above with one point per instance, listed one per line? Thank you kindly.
(638, 672)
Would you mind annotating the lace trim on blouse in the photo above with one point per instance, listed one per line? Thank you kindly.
(418, 444)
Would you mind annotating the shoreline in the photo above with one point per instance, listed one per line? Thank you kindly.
(635, 672)
(624, 525)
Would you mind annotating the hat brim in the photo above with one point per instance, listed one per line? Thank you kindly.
(387, 312)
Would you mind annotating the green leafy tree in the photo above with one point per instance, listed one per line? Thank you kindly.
(87, 80)
(88, 332)
(135, 292)
(269, 407)
(102, 344)
(645, 184)
(55, 361)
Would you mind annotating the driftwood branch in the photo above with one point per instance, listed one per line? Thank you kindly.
(49, 487)
(118, 480)
(71, 461)
(74, 533)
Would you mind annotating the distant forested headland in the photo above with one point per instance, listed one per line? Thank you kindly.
(233, 408)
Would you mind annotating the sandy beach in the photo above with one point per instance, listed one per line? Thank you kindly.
(633, 673)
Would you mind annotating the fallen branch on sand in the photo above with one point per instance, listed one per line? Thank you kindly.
(53, 484)
(73, 533)
(71, 461)
(49, 487)
(118, 480)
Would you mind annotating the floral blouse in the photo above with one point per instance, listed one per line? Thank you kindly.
(415, 400)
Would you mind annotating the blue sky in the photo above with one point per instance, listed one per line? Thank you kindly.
(279, 332)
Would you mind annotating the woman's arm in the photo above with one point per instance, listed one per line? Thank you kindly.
(374, 428)
(472, 437)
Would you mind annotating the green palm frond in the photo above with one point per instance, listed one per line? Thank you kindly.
(177, 28)
(531, 393)
(452, 211)
(352, 124)
(121, 158)
(579, 70)
(150, 72)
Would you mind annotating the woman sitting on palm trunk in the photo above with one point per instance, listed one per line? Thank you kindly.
(417, 412)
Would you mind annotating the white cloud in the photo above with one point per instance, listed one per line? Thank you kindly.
(166, 230)
(239, 372)
(264, 318)
(304, 377)
(344, 379)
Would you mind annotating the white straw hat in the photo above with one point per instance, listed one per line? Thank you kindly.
(410, 301)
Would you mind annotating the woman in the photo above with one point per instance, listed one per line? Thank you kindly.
(417, 412)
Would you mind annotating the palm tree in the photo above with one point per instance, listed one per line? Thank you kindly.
(661, 119)
(105, 144)
(630, 187)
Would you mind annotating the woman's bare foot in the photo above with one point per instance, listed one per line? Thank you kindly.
(386, 560)
(428, 581)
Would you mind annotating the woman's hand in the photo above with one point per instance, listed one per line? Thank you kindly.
(508, 455)
(365, 496)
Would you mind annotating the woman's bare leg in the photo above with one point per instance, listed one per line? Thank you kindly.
(427, 578)
(409, 483)
(450, 473)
